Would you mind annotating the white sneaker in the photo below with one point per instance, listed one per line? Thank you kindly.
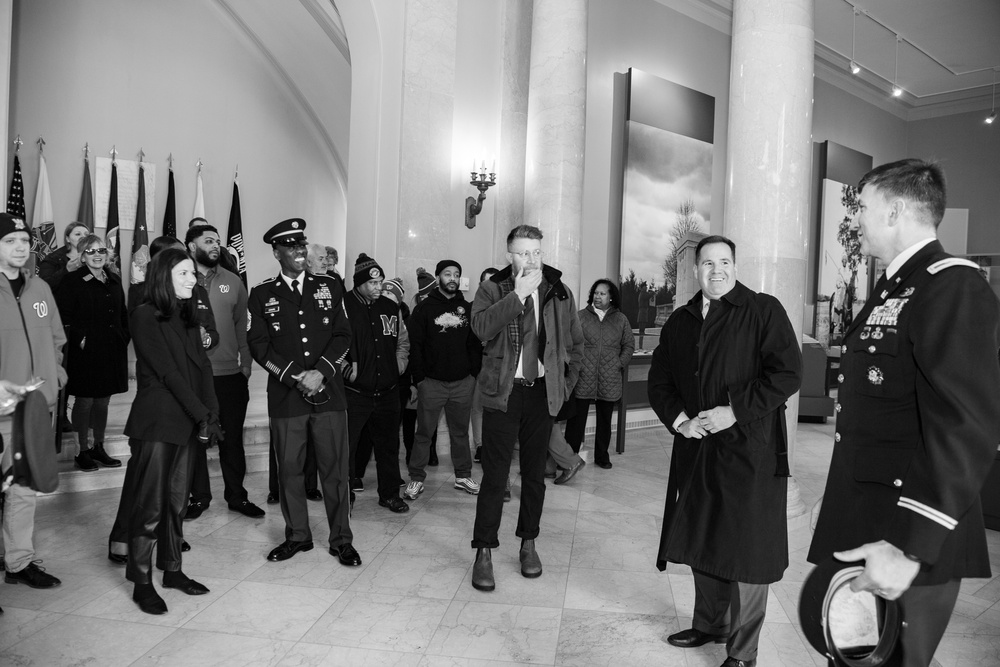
(467, 484)
(413, 489)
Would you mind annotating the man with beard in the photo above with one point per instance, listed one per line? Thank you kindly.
(445, 357)
(231, 370)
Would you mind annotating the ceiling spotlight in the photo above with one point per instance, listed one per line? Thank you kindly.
(896, 90)
(855, 67)
(992, 117)
(993, 108)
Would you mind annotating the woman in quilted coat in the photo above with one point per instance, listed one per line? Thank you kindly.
(608, 347)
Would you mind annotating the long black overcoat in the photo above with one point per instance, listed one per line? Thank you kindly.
(95, 317)
(726, 493)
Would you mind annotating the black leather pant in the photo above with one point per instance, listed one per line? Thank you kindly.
(162, 482)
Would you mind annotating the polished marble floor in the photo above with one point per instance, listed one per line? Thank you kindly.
(600, 600)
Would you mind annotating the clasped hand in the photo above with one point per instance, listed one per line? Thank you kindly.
(310, 383)
(717, 419)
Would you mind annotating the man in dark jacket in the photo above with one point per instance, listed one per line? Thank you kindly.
(719, 379)
(378, 354)
(445, 357)
(917, 418)
(299, 334)
(533, 346)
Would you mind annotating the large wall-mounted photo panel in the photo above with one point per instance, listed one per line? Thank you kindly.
(667, 191)
(843, 282)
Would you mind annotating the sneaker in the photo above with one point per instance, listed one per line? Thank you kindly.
(467, 484)
(413, 489)
(357, 485)
(84, 462)
(506, 492)
(478, 458)
(395, 504)
(33, 576)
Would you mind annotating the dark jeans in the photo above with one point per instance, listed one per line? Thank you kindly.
(528, 421)
(161, 483)
(373, 424)
(233, 394)
(576, 425)
(90, 413)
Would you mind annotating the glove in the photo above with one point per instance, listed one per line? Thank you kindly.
(210, 433)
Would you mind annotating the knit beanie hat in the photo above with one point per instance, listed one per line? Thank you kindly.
(444, 264)
(395, 286)
(425, 282)
(366, 269)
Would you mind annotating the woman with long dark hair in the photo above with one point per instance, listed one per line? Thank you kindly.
(175, 409)
(92, 305)
(608, 348)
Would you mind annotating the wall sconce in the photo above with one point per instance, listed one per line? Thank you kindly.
(473, 205)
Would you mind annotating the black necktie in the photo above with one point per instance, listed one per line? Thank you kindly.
(295, 289)
(529, 341)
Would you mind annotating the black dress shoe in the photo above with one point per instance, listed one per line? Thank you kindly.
(247, 508)
(690, 638)
(183, 583)
(287, 549)
(314, 494)
(346, 554)
(148, 599)
(185, 546)
(117, 559)
(606, 465)
(733, 662)
(194, 510)
(272, 499)
(395, 504)
(569, 474)
(33, 576)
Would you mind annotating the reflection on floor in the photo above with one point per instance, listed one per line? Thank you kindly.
(600, 600)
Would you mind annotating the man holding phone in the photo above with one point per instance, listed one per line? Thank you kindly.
(31, 341)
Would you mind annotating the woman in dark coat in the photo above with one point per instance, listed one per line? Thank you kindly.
(92, 305)
(65, 260)
(608, 347)
(175, 409)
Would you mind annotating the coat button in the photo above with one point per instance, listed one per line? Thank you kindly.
(302, 326)
(871, 349)
(306, 353)
(840, 378)
(836, 437)
(837, 407)
(305, 340)
(897, 483)
(843, 349)
(301, 313)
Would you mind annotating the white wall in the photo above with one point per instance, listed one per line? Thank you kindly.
(176, 77)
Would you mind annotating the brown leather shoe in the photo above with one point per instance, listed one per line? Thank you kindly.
(690, 638)
(482, 571)
(531, 564)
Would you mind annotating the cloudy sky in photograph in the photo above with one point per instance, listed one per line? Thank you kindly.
(663, 170)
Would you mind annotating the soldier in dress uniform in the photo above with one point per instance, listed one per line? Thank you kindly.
(917, 423)
(299, 333)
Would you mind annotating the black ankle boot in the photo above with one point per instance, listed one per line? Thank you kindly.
(101, 457)
(148, 599)
(482, 571)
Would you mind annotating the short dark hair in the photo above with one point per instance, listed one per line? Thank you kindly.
(487, 272)
(715, 238)
(195, 233)
(195, 220)
(161, 242)
(919, 181)
(160, 286)
(613, 293)
(524, 232)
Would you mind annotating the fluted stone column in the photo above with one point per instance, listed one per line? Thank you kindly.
(769, 159)
(557, 99)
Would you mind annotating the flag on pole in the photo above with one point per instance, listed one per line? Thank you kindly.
(234, 244)
(140, 238)
(170, 215)
(85, 212)
(199, 196)
(112, 233)
(15, 196)
(43, 234)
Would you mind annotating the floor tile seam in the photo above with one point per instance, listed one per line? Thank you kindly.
(59, 617)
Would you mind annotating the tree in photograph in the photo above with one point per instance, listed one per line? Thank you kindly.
(687, 221)
(847, 236)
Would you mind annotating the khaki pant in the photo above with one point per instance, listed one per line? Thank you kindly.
(18, 514)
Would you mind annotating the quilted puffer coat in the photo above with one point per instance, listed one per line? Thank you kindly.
(608, 347)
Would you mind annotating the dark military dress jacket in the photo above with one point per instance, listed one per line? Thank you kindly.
(918, 421)
(288, 334)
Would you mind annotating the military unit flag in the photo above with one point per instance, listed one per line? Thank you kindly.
(234, 244)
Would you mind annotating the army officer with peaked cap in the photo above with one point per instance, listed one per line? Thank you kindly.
(299, 333)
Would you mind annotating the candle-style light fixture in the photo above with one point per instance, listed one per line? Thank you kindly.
(474, 205)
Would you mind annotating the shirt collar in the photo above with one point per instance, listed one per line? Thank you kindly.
(896, 264)
(288, 281)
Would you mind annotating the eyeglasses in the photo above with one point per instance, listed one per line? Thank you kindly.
(529, 254)
(95, 251)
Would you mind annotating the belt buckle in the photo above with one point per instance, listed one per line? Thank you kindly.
(526, 383)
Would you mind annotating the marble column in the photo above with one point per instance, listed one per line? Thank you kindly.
(557, 101)
(769, 161)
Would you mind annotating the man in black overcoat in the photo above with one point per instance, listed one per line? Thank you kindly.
(917, 423)
(725, 365)
(299, 333)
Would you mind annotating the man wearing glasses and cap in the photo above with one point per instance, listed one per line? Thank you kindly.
(299, 333)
